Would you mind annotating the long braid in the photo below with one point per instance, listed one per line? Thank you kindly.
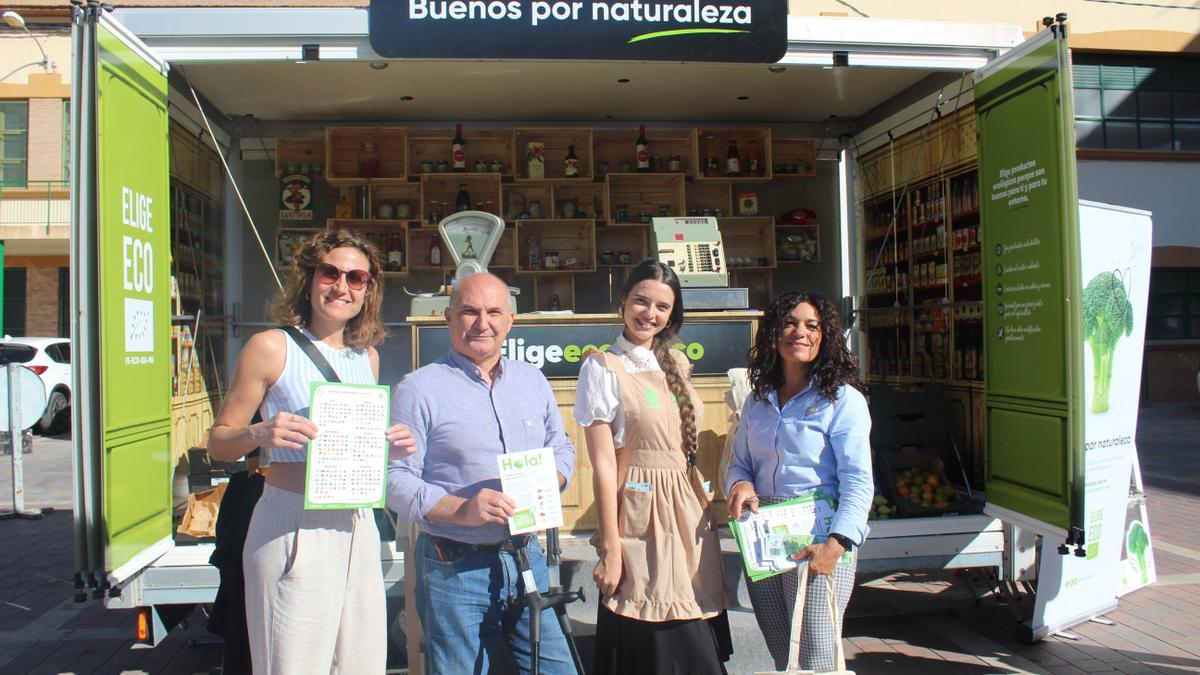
(687, 409)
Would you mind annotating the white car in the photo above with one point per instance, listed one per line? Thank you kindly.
(50, 358)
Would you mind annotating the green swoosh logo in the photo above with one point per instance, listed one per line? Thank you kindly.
(683, 31)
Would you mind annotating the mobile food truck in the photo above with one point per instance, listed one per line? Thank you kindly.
(865, 158)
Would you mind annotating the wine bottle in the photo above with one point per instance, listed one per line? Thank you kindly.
(642, 150)
(462, 202)
(733, 160)
(458, 151)
(753, 164)
(571, 163)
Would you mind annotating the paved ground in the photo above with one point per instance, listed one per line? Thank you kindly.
(908, 623)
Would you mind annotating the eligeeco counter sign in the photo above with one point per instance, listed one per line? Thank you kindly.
(736, 31)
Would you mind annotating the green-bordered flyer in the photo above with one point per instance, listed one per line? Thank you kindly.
(347, 461)
(769, 538)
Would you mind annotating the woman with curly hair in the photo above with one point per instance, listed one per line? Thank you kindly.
(805, 428)
(662, 591)
(314, 586)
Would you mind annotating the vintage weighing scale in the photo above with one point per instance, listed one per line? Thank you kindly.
(692, 247)
(472, 238)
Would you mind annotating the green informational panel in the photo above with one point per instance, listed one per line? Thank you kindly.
(1029, 212)
(134, 289)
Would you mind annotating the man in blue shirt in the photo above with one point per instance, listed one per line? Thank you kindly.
(465, 410)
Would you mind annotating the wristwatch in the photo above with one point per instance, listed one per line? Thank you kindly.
(843, 540)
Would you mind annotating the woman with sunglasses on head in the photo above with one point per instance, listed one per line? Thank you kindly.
(663, 593)
(805, 428)
(314, 585)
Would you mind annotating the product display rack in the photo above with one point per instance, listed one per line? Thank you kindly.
(395, 185)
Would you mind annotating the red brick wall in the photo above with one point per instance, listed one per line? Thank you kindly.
(45, 140)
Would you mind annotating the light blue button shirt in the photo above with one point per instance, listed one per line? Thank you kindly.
(812, 443)
(461, 424)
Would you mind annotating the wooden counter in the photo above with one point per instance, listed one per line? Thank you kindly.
(713, 341)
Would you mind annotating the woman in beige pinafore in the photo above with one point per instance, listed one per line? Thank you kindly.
(663, 595)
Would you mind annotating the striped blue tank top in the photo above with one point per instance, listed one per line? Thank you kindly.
(290, 393)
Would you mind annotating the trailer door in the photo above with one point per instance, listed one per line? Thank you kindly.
(121, 300)
(1032, 324)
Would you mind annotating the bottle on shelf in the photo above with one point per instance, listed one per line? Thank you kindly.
(435, 250)
(642, 151)
(711, 161)
(571, 163)
(395, 254)
(458, 151)
(733, 160)
(368, 160)
(753, 162)
(462, 202)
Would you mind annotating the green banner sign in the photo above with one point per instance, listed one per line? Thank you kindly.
(134, 283)
(1028, 196)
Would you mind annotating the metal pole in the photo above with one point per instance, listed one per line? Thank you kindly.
(15, 446)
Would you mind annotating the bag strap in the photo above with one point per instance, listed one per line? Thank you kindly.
(313, 353)
(798, 620)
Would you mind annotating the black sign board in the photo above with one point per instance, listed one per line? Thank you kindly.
(558, 351)
(726, 31)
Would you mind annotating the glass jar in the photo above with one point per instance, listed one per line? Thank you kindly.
(551, 260)
(368, 160)
(535, 209)
(496, 166)
(606, 257)
(385, 210)
(533, 252)
(625, 258)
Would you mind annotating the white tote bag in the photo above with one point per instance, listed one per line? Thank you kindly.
(839, 658)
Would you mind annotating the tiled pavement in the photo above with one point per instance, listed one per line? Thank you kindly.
(912, 623)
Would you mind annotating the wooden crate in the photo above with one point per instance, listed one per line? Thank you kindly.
(548, 286)
(417, 250)
(517, 198)
(614, 146)
(443, 188)
(380, 233)
(644, 193)
(710, 196)
(307, 150)
(723, 136)
(588, 198)
(800, 152)
(481, 145)
(395, 193)
(759, 283)
(556, 142)
(811, 232)
(633, 238)
(752, 238)
(343, 145)
(570, 239)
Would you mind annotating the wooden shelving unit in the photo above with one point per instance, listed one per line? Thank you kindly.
(577, 218)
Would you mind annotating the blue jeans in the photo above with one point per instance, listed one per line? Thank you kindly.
(464, 599)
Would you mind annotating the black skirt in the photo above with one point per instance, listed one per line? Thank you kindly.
(626, 646)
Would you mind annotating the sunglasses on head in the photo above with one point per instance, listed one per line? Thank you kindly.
(355, 279)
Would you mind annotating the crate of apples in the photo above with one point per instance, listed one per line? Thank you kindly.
(922, 487)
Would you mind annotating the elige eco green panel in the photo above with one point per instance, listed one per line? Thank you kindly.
(1030, 226)
(134, 249)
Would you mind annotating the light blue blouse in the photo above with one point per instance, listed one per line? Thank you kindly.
(812, 443)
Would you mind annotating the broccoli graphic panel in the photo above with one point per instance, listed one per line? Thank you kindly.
(1137, 541)
(1107, 316)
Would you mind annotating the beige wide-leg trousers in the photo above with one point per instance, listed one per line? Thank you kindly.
(314, 589)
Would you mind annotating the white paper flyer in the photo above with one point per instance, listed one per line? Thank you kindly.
(531, 480)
